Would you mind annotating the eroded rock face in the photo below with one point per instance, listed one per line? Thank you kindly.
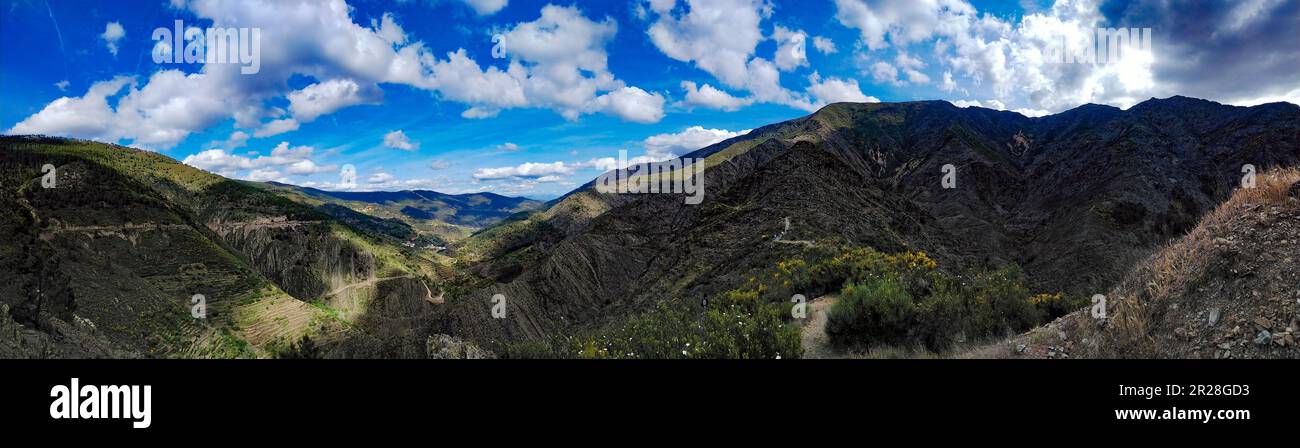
(59, 340)
(302, 257)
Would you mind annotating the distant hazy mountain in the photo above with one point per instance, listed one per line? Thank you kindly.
(446, 216)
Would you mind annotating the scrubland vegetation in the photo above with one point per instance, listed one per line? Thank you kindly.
(886, 300)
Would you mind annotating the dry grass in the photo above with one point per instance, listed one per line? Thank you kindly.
(1166, 275)
(913, 351)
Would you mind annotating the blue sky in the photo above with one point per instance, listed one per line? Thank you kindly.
(411, 95)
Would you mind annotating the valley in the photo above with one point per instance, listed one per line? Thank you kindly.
(1045, 212)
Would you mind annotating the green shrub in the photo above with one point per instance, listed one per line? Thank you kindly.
(1000, 304)
(879, 309)
(885, 300)
(894, 307)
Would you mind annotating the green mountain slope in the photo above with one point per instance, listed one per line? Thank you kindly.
(107, 262)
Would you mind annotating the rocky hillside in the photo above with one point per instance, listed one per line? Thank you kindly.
(106, 261)
(1226, 290)
(1074, 198)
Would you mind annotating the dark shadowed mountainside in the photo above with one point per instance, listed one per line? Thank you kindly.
(1075, 199)
(1228, 289)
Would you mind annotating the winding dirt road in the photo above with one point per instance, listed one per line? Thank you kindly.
(428, 293)
(816, 344)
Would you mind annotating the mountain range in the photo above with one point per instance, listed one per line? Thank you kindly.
(107, 263)
(445, 216)
(1074, 199)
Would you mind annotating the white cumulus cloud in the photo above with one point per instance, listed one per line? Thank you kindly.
(824, 45)
(664, 146)
(529, 170)
(292, 159)
(556, 62)
(113, 32)
(398, 140)
(791, 51)
(710, 97)
(720, 37)
(836, 90)
(326, 97)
